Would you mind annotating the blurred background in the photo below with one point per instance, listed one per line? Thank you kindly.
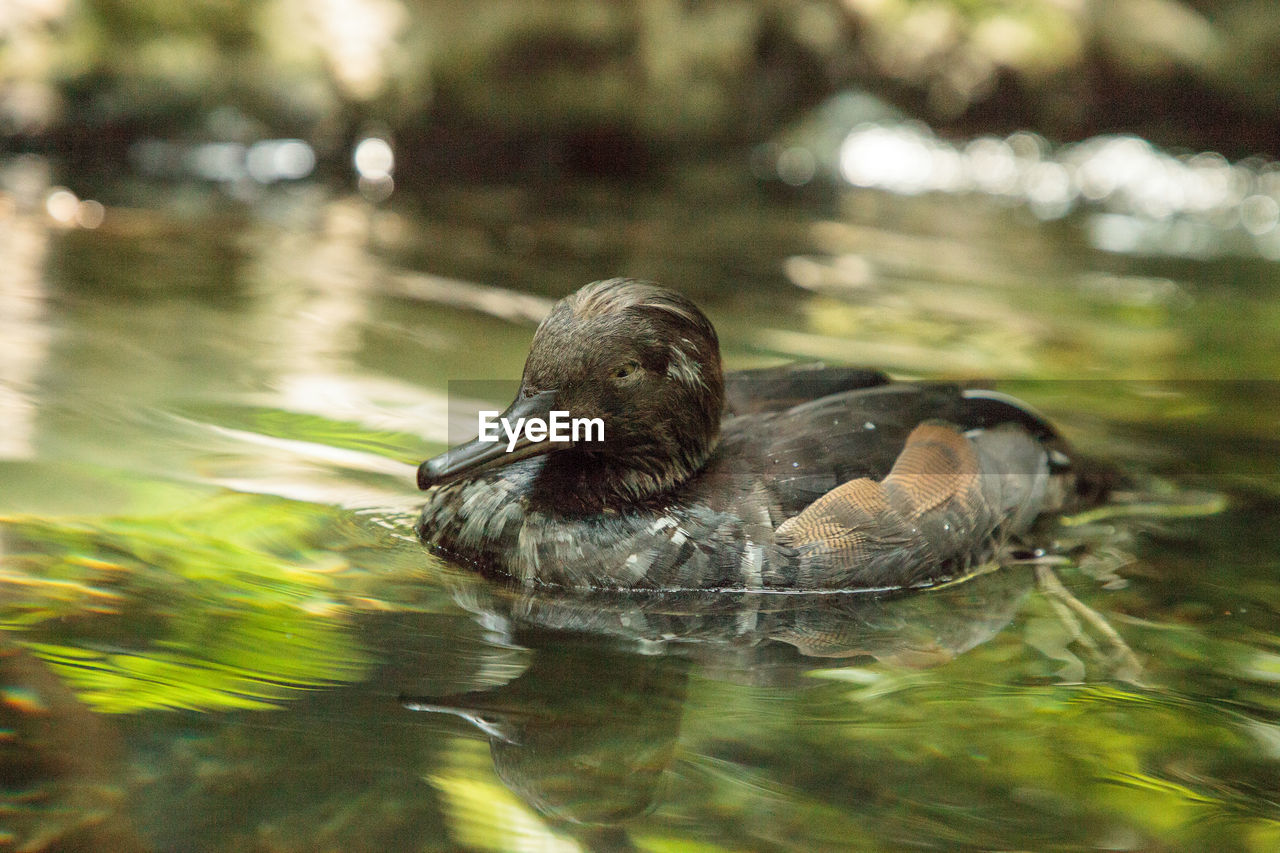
(247, 94)
(500, 88)
(246, 246)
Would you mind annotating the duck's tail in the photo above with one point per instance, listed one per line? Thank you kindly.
(1077, 482)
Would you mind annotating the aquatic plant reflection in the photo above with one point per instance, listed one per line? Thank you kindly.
(241, 613)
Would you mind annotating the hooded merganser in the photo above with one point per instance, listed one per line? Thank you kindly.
(787, 478)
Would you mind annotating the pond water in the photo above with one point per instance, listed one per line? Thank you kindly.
(220, 633)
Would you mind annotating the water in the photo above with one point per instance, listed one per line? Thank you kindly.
(221, 635)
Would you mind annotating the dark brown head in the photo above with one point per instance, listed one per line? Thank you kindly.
(641, 359)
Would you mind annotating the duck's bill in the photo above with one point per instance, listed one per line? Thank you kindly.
(478, 455)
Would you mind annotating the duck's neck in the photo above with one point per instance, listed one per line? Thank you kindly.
(579, 482)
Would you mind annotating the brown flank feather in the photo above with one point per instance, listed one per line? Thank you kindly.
(931, 506)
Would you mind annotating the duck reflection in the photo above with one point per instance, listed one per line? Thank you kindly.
(585, 733)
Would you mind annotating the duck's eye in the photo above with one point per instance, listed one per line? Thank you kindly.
(622, 371)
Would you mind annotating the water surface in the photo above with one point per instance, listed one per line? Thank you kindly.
(220, 633)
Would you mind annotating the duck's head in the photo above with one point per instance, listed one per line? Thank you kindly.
(640, 358)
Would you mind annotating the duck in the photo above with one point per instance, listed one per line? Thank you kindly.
(795, 478)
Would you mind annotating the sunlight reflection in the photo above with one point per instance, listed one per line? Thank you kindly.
(314, 289)
(358, 39)
(306, 472)
(90, 214)
(62, 206)
(24, 337)
(67, 210)
(315, 312)
(1139, 198)
(374, 402)
(374, 161)
(374, 158)
(274, 160)
(29, 99)
(267, 161)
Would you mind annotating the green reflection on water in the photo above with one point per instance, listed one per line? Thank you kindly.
(212, 508)
(230, 605)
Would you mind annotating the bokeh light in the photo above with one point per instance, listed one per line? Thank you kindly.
(374, 161)
(1135, 197)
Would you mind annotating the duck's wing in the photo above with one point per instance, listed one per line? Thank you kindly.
(806, 451)
(943, 507)
(775, 389)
